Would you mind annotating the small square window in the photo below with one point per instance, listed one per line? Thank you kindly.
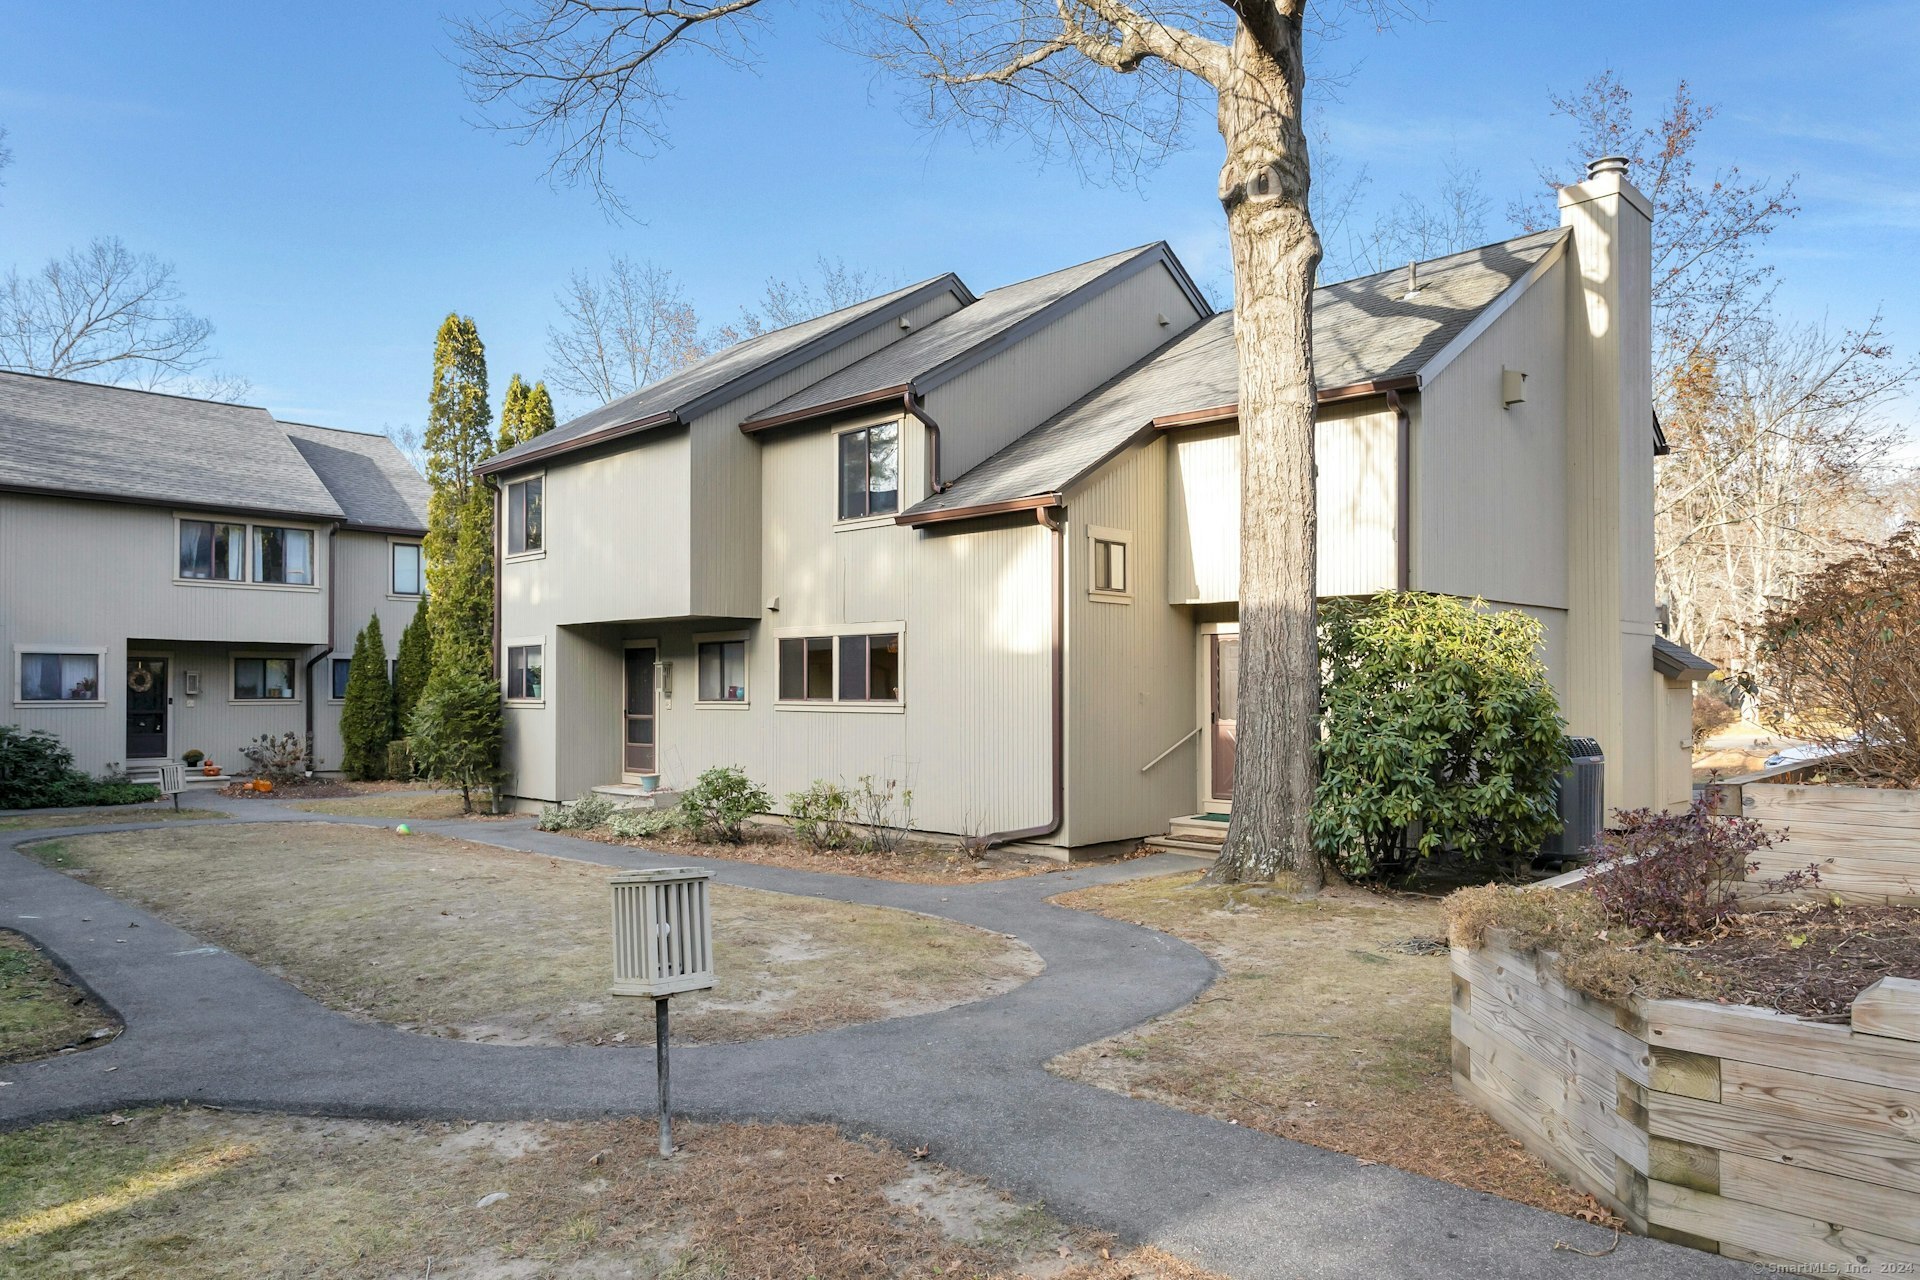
(723, 670)
(1109, 571)
(523, 672)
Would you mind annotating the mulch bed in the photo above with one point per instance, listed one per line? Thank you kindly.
(1812, 959)
(916, 862)
(309, 789)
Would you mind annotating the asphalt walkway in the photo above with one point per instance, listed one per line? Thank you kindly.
(206, 1027)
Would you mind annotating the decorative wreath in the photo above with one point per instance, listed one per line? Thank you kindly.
(139, 680)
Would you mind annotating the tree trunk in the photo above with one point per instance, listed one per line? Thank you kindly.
(1275, 254)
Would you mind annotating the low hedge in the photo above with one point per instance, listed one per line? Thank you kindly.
(37, 772)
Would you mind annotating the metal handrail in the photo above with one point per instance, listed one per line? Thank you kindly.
(1170, 750)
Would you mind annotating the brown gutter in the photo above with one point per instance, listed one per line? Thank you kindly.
(1036, 503)
(752, 425)
(1330, 395)
(332, 596)
(615, 432)
(915, 405)
(1058, 711)
(1403, 491)
(1196, 417)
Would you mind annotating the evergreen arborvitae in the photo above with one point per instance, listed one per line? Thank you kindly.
(412, 670)
(463, 621)
(513, 414)
(539, 412)
(366, 721)
(459, 437)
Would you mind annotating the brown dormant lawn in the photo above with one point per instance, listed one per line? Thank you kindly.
(1330, 1025)
(915, 862)
(42, 1013)
(458, 939)
(113, 814)
(195, 1193)
(389, 804)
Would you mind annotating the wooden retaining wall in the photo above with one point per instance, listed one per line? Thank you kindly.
(1866, 840)
(1732, 1129)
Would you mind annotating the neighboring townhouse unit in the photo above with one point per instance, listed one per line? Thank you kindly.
(987, 547)
(182, 573)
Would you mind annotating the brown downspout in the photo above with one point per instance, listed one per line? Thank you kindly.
(1403, 495)
(914, 404)
(333, 597)
(499, 546)
(1058, 711)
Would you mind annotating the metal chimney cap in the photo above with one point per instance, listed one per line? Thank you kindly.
(1607, 164)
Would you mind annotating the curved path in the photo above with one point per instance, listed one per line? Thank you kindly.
(204, 1026)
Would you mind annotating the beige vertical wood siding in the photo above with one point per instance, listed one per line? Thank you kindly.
(1357, 449)
(989, 407)
(1490, 483)
(94, 575)
(1130, 692)
(362, 588)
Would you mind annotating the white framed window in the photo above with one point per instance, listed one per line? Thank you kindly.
(263, 678)
(1109, 565)
(524, 672)
(526, 516)
(63, 675)
(342, 669)
(409, 576)
(869, 470)
(853, 668)
(721, 668)
(213, 551)
(282, 555)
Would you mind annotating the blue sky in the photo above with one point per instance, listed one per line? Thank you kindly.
(313, 173)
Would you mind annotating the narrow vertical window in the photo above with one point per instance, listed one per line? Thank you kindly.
(526, 511)
(523, 672)
(870, 471)
(723, 670)
(408, 573)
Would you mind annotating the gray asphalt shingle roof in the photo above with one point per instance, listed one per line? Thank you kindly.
(366, 474)
(1364, 330)
(731, 371)
(99, 441)
(950, 339)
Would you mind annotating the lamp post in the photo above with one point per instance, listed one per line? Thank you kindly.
(662, 945)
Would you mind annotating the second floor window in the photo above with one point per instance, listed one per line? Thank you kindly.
(283, 556)
(870, 471)
(526, 521)
(213, 552)
(409, 573)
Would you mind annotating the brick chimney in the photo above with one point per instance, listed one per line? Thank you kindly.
(1610, 582)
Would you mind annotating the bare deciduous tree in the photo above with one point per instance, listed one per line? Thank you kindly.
(788, 302)
(1107, 86)
(107, 314)
(1413, 228)
(621, 331)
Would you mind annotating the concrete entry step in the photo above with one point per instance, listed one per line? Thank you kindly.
(1201, 828)
(1169, 844)
(630, 795)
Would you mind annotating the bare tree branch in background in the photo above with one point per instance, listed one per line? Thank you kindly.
(582, 77)
(6, 153)
(786, 302)
(1413, 228)
(106, 314)
(617, 333)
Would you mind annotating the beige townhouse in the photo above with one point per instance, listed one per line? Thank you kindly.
(986, 546)
(185, 574)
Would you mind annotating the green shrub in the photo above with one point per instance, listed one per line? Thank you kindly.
(1437, 718)
(642, 824)
(720, 800)
(586, 812)
(37, 772)
(280, 758)
(821, 815)
(456, 733)
(366, 716)
(400, 759)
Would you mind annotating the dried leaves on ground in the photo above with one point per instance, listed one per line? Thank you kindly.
(455, 938)
(1327, 1025)
(1813, 958)
(917, 862)
(41, 1013)
(215, 1195)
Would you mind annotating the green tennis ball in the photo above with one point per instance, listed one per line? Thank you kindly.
(404, 830)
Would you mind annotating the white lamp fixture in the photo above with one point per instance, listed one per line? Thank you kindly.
(662, 945)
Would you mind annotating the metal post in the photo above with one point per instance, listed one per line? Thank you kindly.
(660, 1004)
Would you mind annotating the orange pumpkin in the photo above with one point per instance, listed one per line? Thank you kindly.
(261, 784)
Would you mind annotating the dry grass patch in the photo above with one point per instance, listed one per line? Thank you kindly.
(1330, 1024)
(916, 862)
(389, 804)
(458, 939)
(202, 1195)
(42, 1013)
(114, 814)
